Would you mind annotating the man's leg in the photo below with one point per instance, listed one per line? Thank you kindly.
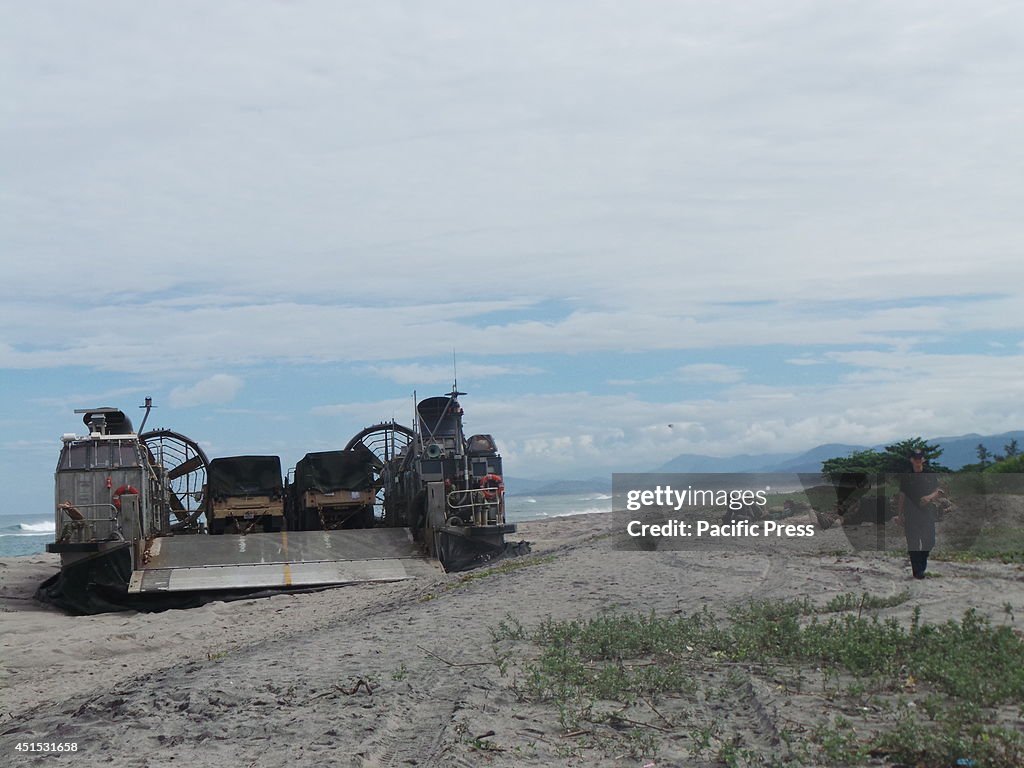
(918, 562)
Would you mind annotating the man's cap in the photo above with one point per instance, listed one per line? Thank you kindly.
(917, 454)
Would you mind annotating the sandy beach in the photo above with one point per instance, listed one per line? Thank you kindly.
(405, 673)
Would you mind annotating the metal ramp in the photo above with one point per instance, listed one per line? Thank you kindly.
(295, 559)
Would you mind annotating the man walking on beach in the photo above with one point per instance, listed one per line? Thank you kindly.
(917, 492)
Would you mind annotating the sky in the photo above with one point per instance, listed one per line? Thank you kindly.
(638, 228)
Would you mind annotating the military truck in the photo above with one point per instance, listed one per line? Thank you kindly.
(244, 494)
(333, 490)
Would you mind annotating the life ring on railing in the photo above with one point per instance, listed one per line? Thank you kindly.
(492, 485)
(121, 491)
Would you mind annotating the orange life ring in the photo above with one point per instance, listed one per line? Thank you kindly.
(120, 492)
(492, 485)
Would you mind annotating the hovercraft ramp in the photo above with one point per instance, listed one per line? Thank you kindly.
(288, 559)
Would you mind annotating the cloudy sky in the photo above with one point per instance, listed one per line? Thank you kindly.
(767, 224)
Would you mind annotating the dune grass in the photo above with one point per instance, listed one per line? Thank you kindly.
(943, 687)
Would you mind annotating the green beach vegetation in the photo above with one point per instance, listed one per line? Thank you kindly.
(781, 682)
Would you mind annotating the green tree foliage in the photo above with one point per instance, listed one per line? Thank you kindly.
(1012, 464)
(897, 455)
(893, 460)
(869, 461)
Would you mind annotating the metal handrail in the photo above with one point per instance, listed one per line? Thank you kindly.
(481, 508)
(91, 520)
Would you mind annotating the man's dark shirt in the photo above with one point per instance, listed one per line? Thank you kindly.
(918, 519)
(916, 485)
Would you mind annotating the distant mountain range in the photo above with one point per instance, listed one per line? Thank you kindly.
(956, 452)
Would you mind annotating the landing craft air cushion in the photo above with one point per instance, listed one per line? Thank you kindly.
(146, 522)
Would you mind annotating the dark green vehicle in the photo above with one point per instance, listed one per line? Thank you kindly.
(245, 494)
(333, 490)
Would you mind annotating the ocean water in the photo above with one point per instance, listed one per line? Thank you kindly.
(523, 508)
(29, 534)
(25, 534)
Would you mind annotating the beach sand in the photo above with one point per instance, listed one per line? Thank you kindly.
(276, 681)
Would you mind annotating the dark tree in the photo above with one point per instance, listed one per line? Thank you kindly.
(983, 456)
(893, 460)
(869, 461)
(897, 455)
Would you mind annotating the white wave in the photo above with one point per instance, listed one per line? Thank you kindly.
(46, 526)
(597, 497)
(589, 511)
(529, 501)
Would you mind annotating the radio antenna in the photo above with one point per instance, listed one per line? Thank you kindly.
(148, 406)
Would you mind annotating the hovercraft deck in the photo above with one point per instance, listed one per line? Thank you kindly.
(280, 560)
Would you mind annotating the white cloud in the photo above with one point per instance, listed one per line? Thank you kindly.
(420, 374)
(33, 447)
(369, 186)
(444, 136)
(73, 400)
(897, 397)
(176, 341)
(360, 410)
(711, 372)
(216, 390)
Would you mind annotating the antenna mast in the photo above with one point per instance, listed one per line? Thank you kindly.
(148, 406)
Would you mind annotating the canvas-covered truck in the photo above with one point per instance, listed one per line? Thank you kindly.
(333, 490)
(245, 493)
